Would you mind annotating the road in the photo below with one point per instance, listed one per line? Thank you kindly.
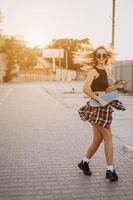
(73, 101)
(41, 141)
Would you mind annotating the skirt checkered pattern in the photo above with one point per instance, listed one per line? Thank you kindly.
(100, 115)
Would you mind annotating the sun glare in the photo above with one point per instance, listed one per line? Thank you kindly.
(34, 40)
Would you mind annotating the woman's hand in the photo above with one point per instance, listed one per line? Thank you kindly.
(121, 84)
(103, 103)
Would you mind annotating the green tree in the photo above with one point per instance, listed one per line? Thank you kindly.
(18, 52)
(69, 45)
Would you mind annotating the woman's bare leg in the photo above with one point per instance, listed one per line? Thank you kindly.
(97, 139)
(108, 149)
(108, 144)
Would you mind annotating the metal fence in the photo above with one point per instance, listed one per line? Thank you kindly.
(123, 70)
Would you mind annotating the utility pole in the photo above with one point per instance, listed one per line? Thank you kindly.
(66, 56)
(113, 23)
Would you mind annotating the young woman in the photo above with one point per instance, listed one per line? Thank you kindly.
(96, 84)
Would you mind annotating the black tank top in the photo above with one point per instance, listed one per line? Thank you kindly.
(100, 83)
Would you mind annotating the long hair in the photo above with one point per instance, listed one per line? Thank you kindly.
(86, 56)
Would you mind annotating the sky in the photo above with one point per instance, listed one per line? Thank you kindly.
(40, 21)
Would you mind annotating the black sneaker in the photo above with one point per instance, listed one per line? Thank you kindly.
(111, 176)
(85, 167)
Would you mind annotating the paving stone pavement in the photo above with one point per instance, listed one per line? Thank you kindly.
(41, 142)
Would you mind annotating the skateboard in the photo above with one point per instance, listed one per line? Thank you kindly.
(108, 97)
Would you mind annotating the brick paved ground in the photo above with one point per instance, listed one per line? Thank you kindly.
(41, 142)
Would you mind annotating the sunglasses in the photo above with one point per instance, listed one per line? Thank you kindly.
(101, 55)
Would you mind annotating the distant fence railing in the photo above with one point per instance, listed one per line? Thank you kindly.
(61, 74)
(123, 70)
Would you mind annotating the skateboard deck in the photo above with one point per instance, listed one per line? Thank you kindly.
(108, 97)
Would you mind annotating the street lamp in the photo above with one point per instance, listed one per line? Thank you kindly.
(67, 57)
(113, 23)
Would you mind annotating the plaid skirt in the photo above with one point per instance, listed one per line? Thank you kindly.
(100, 115)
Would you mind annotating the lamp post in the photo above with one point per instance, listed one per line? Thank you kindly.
(67, 57)
(113, 23)
(60, 57)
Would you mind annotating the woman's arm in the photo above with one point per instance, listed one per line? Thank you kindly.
(87, 87)
(117, 85)
(112, 88)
